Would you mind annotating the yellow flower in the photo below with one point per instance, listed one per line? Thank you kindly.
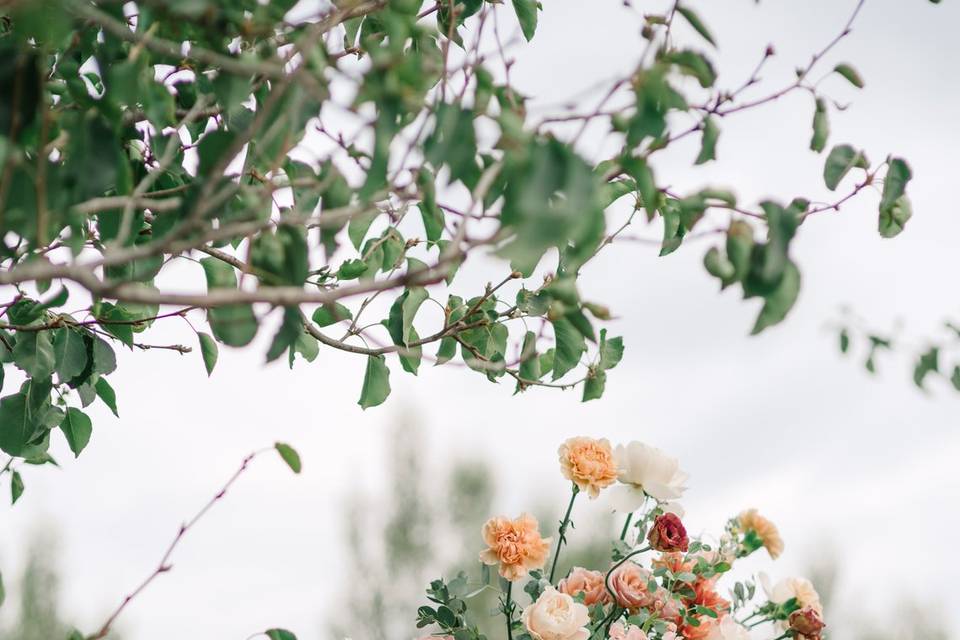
(588, 463)
(750, 520)
(515, 545)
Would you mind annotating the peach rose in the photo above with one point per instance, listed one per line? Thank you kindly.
(556, 616)
(750, 520)
(620, 631)
(515, 545)
(589, 583)
(588, 463)
(629, 585)
(666, 606)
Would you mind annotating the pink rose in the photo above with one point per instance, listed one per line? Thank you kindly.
(619, 631)
(589, 583)
(629, 585)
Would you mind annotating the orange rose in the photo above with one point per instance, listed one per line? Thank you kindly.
(515, 545)
(589, 583)
(588, 463)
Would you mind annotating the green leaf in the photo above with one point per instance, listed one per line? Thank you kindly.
(929, 362)
(570, 347)
(16, 427)
(103, 356)
(955, 378)
(70, 352)
(821, 127)
(211, 149)
(280, 634)
(895, 209)
(611, 350)
(331, 314)
(695, 64)
(33, 353)
(527, 15)
(235, 324)
(208, 351)
(697, 24)
(594, 385)
(778, 303)
(76, 426)
(529, 360)
(844, 341)
(842, 158)
(850, 74)
(106, 393)
(447, 349)
(307, 346)
(289, 455)
(638, 169)
(708, 144)
(718, 265)
(16, 490)
(287, 334)
(892, 220)
(376, 382)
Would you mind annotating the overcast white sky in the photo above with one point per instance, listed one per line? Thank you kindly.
(863, 466)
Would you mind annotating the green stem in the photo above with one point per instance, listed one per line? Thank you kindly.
(626, 526)
(563, 529)
(508, 611)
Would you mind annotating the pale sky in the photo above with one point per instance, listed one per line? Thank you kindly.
(841, 461)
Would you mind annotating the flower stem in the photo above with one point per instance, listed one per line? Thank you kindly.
(563, 529)
(508, 611)
(626, 526)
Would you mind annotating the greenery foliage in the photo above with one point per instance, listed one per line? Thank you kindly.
(136, 136)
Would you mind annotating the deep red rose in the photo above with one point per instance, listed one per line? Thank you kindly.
(806, 622)
(668, 534)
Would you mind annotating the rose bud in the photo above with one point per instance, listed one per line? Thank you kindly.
(806, 622)
(668, 534)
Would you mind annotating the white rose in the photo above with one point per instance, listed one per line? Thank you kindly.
(645, 471)
(799, 588)
(556, 616)
(728, 629)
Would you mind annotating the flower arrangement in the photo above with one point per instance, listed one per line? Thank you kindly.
(660, 584)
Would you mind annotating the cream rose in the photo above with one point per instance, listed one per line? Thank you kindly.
(728, 629)
(556, 616)
(645, 471)
(799, 588)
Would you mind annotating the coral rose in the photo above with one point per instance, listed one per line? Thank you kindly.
(629, 585)
(705, 595)
(589, 583)
(668, 534)
(620, 631)
(807, 622)
(750, 520)
(556, 616)
(645, 471)
(588, 463)
(515, 545)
